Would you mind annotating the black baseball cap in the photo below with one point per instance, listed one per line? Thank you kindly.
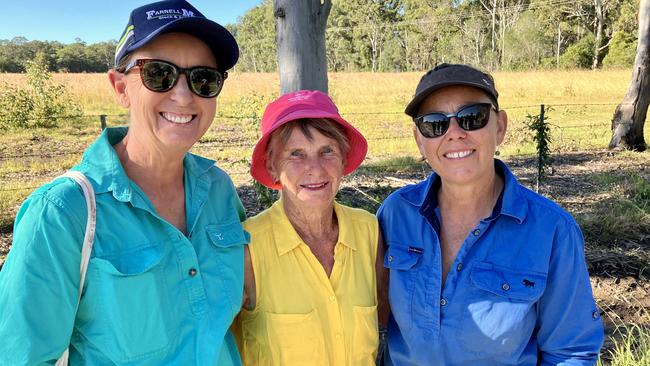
(149, 21)
(451, 74)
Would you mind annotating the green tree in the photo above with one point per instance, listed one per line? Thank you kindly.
(41, 104)
(73, 57)
(255, 33)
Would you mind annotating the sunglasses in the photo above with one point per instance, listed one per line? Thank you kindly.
(161, 76)
(469, 118)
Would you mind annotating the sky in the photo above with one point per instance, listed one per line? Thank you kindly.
(93, 20)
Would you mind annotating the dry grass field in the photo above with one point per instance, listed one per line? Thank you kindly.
(608, 192)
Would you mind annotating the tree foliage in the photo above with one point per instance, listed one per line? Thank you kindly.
(408, 35)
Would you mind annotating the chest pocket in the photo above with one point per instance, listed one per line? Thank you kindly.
(228, 242)
(296, 339)
(125, 326)
(500, 316)
(402, 261)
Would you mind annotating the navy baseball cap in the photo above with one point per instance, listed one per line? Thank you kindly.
(149, 21)
(447, 75)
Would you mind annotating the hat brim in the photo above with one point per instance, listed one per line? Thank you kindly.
(221, 42)
(355, 156)
(414, 105)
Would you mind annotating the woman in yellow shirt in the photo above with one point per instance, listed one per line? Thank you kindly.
(313, 266)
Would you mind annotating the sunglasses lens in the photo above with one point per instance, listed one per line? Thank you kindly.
(206, 82)
(433, 124)
(474, 117)
(158, 76)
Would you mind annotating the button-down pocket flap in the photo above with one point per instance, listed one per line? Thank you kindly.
(130, 263)
(227, 235)
(401, 257)
(507, 282)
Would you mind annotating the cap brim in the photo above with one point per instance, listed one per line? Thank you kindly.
(355, 156)
(219, 39)
(413, 106)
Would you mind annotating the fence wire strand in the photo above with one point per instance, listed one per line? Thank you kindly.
(364, 169)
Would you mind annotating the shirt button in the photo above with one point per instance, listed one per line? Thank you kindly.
(390, 258)
(505, 287)
(192, 272)
(595, 314)
(477, 232)
(459, 267)
(443, 302)
(332, 298)
(338, 335)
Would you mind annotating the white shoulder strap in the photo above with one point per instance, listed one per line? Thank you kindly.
(89, 236)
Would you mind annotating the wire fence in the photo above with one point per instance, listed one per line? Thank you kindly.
(229, 137)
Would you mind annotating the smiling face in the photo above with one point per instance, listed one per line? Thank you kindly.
(459, 156)
(171, 121)
(309, 170)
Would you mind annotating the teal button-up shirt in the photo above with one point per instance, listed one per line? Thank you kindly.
(153, 296)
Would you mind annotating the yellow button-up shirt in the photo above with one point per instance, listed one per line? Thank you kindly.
(302, 316)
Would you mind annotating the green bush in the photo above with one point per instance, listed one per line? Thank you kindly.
(41, 104)
(622, 50)
(579, 54)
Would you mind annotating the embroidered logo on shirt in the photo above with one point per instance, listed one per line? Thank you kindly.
(528, 283)
(415, 250)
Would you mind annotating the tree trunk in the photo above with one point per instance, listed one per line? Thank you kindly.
(598, 4)
(630, 115)
(559, 44)
(300, 38)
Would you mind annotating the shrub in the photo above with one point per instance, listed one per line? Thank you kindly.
(40, 104)
(579, 54)
(622, 50)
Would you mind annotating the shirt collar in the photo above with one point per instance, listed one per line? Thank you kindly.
(286, 237)
(101, 165)
(511, 202)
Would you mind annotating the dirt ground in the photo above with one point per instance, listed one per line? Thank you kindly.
(620, 270)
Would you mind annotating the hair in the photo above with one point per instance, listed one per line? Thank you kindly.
(123, 63)
(325, 126)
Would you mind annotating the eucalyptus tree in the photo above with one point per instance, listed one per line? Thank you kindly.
(630, 115)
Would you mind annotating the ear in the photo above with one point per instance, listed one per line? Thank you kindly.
(118, 83)
(271, 169)
(418, 140)
(502, 126)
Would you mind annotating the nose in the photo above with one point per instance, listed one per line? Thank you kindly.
(181, 92)
(313, 164)
(454, 131)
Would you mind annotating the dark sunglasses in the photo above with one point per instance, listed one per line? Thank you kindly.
(161, 76)
(471, 117)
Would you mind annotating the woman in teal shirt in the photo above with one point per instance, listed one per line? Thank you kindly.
(165, 276)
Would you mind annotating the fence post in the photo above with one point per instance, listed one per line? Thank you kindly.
(102, 120)
(540, 162)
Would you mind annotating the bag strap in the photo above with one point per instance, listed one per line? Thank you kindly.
(89, 237)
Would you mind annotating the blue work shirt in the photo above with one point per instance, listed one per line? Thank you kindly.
(518, 292)
(153, 296)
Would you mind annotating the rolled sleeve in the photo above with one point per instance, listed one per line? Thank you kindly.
(39, 282)
(570, 328)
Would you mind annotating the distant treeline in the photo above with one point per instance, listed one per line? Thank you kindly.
(74, 57)
(412, 35)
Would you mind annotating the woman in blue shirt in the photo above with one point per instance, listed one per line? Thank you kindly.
(482, 270)
(165, 277)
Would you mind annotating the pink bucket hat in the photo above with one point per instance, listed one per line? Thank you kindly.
(297, 105)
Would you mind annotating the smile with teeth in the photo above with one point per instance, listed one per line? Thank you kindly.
(314, 186)
(458, 154)
(177, 118)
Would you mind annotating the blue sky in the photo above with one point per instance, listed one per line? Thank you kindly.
(93, 20)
